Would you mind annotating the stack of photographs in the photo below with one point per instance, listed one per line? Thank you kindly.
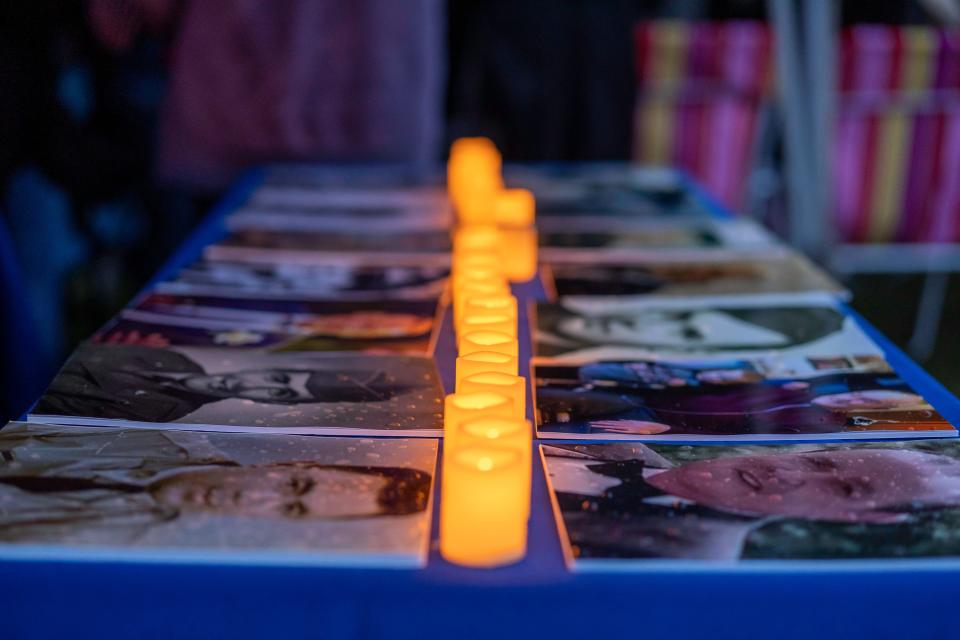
(182, 428)
(703, 398)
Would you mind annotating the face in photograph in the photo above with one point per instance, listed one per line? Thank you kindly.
(626, 280)
(142, 384)
(315, 280)
(181, 490)
(562, 331)
(760, 502)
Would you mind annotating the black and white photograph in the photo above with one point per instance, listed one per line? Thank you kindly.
(620, 281)
(244, 390)
(786, 325)
(113, 494)
(329, 280)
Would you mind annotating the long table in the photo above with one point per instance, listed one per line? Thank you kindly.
(537, 597)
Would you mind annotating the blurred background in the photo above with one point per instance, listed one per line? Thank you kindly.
(837, 124)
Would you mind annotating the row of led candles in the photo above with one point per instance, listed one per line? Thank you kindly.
(487, 450)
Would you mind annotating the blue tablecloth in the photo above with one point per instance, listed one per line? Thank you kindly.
(535, 598)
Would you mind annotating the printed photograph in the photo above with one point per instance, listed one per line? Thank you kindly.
(162, 320)
(307, 197)
(621, 506)
(790, 325)
(624, 239)
(740, 400)
(117, 493)
(656, 238)
(611, 282)
(339, 218)
(612, 191)
(341, 280)
(369, 240)
(245, 390)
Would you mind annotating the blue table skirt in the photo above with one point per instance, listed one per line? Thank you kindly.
(536, 598)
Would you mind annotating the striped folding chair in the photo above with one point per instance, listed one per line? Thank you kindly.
(701, 93)
(896, 158)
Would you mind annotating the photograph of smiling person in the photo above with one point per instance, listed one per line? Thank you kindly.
(621, 505)
(277, 325)
(328, 499)
(725, 400)
(245, 390)
(800, 325)
(341, 280)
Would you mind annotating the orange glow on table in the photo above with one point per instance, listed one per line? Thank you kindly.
(484, 508)
(488, 341)
(511, 386)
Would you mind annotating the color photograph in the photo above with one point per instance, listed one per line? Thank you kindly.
(742, 326)
(110, 494)
(737, 400)
(623, 507)
(245, 390)
(275, 325)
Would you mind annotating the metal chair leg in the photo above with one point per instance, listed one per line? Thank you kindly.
(929, 311)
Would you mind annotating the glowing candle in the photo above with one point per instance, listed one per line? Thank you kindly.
(483, 508)
(476, 237)
(491, 305)
(488, 341)
(487, 322)
(461, 407)
(513, 387)
(489, 275)
(483, 362)
(475, 203)
(519, 253)
(464, 290)
(514, 208)
(516, 435)
(476, 258)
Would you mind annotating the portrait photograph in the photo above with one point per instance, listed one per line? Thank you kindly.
(612, 282)
(789, 324)
(339, 218)
(307, 197)
(593, 190)
(245, 391)
(728, 400)
(140, 494)
(276, 325)
(622, 507)
(332, 279)
(257, 245)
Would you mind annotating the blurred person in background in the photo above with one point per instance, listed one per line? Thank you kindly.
(123, 120)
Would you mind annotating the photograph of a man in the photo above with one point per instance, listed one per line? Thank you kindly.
(146, 487)
(110, 382)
